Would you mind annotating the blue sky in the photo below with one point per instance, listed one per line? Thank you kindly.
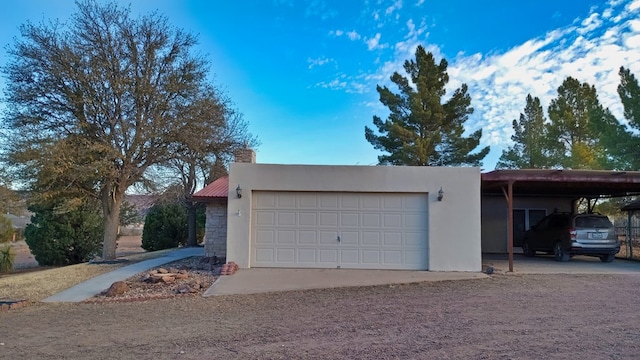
(304, 73)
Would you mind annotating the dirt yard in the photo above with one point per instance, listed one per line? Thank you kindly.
(503, 317)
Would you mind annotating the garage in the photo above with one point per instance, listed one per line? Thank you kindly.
(339, 230)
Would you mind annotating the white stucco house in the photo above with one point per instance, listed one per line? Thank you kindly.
(349, 217)
(387, 217)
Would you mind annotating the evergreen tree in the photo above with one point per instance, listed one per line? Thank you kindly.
(625, 143)
(529, 150)
(575, 116)
(421, 130)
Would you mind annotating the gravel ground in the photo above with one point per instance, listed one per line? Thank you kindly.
(503, 317)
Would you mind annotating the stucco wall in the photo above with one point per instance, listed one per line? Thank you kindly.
(454, 223)
(495, 222)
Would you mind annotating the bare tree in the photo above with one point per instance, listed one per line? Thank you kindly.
(95, 102)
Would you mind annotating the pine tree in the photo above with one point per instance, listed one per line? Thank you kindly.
(529, 150)
(421, 130)
(575, 116)
(625, 144)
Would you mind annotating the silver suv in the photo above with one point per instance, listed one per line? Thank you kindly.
(565, 235)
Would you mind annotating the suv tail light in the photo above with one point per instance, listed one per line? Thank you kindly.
(573, 234)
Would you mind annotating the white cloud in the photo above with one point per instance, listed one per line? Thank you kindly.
(591, 50)
(318, 62)
(499, 83)
(374, 42)
(397, 5)
(590, 23)
(353, 35)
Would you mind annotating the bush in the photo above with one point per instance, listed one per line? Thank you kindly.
(71, 237)
(7, 256)
(165, 227)
(6, 229)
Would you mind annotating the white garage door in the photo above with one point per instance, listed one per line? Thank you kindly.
(339, 230)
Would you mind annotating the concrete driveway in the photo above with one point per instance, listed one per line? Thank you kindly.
(545, 264)
(259, 280)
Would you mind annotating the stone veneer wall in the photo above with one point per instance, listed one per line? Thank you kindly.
(215, 243)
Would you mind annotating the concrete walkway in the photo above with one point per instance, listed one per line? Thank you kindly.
(100, 283)
(251, 281)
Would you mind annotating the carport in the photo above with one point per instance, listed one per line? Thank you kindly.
(570, 185)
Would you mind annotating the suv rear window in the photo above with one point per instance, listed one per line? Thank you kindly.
(593, 222)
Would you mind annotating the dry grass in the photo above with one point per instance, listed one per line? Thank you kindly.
(38, 285)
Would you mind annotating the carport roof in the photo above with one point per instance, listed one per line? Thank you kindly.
(563, 183)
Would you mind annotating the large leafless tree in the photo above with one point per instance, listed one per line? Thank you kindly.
(94, 103)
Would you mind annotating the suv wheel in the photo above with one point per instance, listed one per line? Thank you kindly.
(559, 253)
(526, 249)
(607, 258)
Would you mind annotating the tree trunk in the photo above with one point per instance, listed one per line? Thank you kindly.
(191, 219)
(111, 203)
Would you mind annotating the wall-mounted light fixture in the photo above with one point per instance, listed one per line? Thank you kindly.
(239, 191)
(440, 194)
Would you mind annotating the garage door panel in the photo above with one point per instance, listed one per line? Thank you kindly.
(392, 257)
(265, 237)
(286, 200)
(413, 239)
(349, 238)
(307, 237)
(307, 201)
(286, 255)
(372, 257)
(393, 202)
(371, 220)
(370, 238)
(413, 221)
(414, 204)
(328, 256)
(329, 201)
(328, 237)
(375, 231)
(308, 255)
(329, 219)
(350, 201)
(349, 257)
(286, 237)
(392, 238)
(393, 220)
(371, 203)
(266, 255)
(286, 218)
(265, 201)
(308, 219)
(350, 220)
(265, 218)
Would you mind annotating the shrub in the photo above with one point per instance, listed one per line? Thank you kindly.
(165, 227)
(7, 256)
(64, 238)
(6, 229)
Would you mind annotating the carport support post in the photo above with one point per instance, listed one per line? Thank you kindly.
(629, 239)
(509, 196)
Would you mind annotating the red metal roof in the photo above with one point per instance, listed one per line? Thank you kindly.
(217, 190)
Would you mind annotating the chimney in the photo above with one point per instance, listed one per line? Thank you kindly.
(245, 155)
